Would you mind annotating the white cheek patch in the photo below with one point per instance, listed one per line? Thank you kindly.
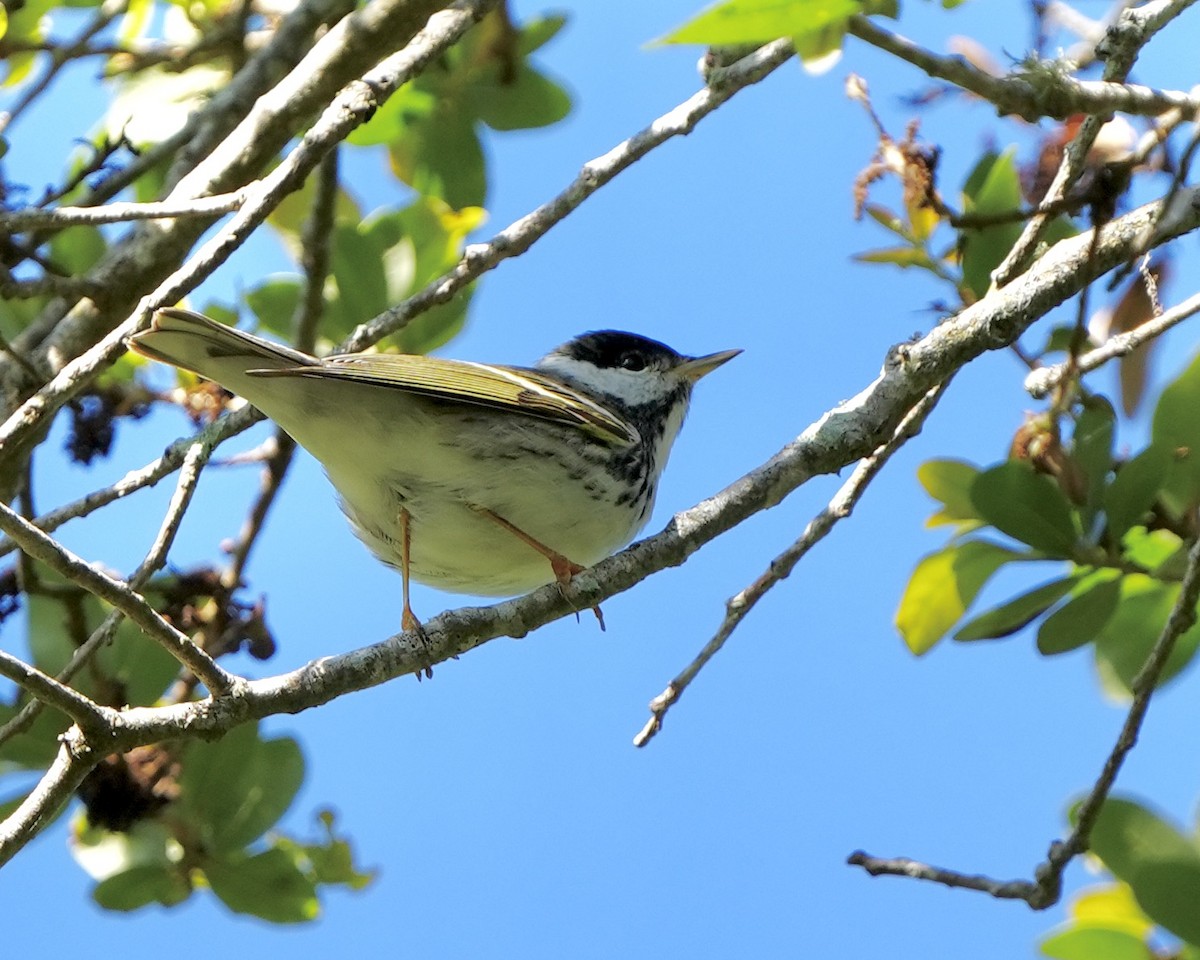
(632, 387)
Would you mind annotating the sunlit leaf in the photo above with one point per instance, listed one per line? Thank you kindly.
(992, 187)
(903, 257)
(942, 587)
(1094, 943)
(760, 21)
(949, 481)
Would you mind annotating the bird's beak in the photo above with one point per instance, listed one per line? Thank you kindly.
(693, 368)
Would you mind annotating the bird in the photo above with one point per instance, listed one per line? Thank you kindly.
(469, 477)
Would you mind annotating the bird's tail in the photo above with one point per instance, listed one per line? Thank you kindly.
(213, 350)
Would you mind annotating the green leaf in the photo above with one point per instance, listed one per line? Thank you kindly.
(1008, 618)
(279, 773)
(274, 303)
(1157, 551)
(1080, 619)
(1095, 942)
(949, 481)
(358, 270)
(1027, 506)
(239, 786)
(760, 21)
(1134, 489)
(1125, 642)
(132, 669)
(1176, 429)
(140, 887)
(154, 104)
(36, 748)
(531, 100)
(331, 862)
(1091, 447)
(942, 587)
(1160, 864)
(993, 187)
(269, 885)
(539, 31)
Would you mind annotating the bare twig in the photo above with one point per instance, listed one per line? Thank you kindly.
(315, 257)
(1046, 888)
(47, 690)
(519, 236)
(1033, 94)
(109, 10)
(1132, 30)
(1041, 381)
(189, 475)
(74, 761)
(353, 106)
(211, 436)
(839, 508)
(39, 546)
(17, 221)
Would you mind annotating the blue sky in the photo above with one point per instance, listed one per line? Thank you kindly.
(502, 803)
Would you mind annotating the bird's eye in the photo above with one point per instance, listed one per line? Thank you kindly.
(631, 360)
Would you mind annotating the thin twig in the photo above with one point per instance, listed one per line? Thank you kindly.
(520, 235)
(839, 508)
(109, 10)
(189, 475)
(1041, 381)
(212, 436)
(46, 690)
(1132, 30)
(1034, 94)
(17, 221)
(75, 759)
(316, 256)
(1046, 889)
(39, 546)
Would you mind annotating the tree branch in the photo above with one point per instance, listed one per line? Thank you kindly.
(189, 475)
(272, 115)
(18, 221)
(1042, 90)
(39, 546)
(89, 715)
(850, 432)
(740, 605)
(520, 235)
(1041, 381)
(1046, 888)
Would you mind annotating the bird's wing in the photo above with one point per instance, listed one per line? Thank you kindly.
(477, 384)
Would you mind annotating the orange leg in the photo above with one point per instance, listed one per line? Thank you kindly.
(564, 569)
(408, 619)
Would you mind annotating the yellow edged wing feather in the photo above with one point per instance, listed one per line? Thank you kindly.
(478, 384)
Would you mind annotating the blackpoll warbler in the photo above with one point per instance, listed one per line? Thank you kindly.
(468, 477)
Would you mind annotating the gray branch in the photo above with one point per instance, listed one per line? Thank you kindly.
(850, 432)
